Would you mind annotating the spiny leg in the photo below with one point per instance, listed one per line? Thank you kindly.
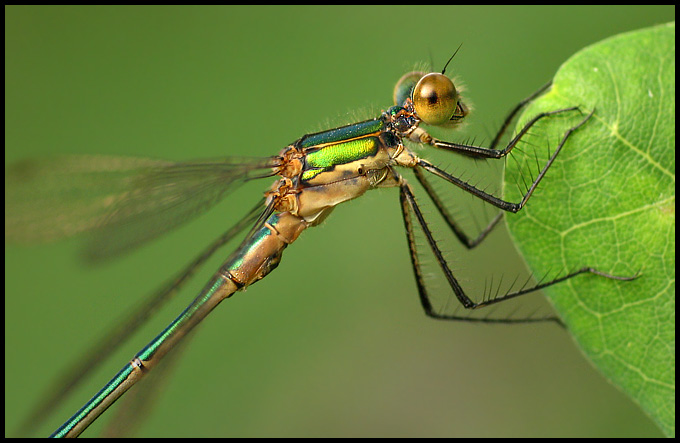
(408, 205)
(468, 242)
(480, 152)
(491, 199)
(511, 116)
(491, 151)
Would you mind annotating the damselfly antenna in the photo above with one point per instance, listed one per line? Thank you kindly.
(454, 54)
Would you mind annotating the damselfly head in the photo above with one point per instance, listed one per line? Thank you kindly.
(434, 96)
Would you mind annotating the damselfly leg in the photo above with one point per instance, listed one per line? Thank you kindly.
(409, 205)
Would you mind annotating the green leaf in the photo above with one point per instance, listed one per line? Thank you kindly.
(609, 202)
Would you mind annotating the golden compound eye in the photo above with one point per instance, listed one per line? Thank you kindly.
(435, 99)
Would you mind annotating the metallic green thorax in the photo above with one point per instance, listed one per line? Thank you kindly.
(342, 133)
(325, 150)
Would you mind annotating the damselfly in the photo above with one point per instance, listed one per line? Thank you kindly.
(131, 201)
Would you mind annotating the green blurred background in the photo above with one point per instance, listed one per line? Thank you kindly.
(334, 342)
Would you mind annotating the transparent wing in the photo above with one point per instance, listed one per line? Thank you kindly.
(102, 348)
(123, 202)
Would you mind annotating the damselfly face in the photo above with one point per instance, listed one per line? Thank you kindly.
(435, 99)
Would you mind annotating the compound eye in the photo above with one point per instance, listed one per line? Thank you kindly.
(435, 99)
